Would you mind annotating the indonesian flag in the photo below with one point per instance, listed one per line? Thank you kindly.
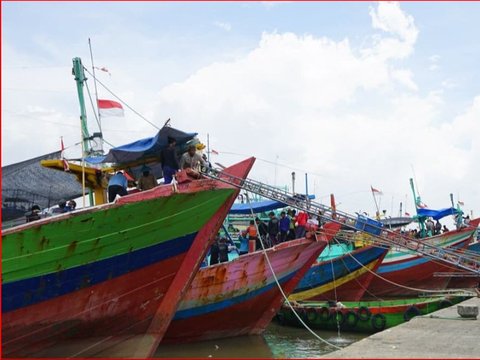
(421, 205)
(66, 167)
(214, 152)
(110, 108)
(376, 191)
(407, 214)
(461, 203)
(104, 69)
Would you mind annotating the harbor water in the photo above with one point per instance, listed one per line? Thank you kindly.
(277, 342)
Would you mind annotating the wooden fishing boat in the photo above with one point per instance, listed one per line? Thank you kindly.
(460, 279)
(415, 273)
(113, 270)
(241, 296)
(340, 273)
(363, 316)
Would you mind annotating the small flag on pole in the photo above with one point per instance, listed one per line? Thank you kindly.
(66, 167)
(461, 203)
(407, 214)
(376, 191)
(104, 69)
(214, 152)
(110, 108)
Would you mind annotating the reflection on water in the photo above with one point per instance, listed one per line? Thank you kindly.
(277, 342)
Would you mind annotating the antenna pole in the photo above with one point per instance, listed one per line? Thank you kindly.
(96, 95)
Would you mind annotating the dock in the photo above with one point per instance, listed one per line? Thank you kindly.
(442, 334)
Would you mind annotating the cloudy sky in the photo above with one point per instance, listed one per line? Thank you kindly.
(354, 94)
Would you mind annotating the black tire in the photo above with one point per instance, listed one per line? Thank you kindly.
(311, 315)
(411, 312)
(351, 319)
(445, 303)
(364, 313)
(378, 322)
(280, 317)
(338, 317)
(324, 314)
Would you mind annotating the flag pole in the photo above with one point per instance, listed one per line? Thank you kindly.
(96, 96)
(376, 204)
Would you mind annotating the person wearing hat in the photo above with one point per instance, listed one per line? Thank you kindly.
(168, 158)
(147, 180)
(117, 185)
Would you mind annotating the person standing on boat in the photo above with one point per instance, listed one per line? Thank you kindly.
(192, 160)
(438, 228)
(168, 158)
(252, 237)
(262, 232)
(293, 219)
(273, 228)
(117, 185)
(147, 181)
(284, 226)
(302, 218)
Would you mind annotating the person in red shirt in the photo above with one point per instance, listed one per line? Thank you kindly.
(302, 218)
(252, 237)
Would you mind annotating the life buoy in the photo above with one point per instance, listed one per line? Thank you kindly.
(411, 312)
(364, 313)
(379, 321)
(324, 314)
(351, 319)
(311, 315)
(338, 317)
(445, 303)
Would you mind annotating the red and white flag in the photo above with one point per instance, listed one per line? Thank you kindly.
(104, 69)
(110, 108)
(407, 214)
(214, 152)
(376, 191)
(66, 167)
(461, 203)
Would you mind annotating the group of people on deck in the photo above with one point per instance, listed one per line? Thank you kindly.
(190, 161)
(291, 225)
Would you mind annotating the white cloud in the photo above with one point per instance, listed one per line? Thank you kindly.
(320, 105)
(223, 25)
(352, 116)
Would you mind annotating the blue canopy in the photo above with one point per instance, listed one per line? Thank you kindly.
(143, 148)
(260, 206)
(436, 214)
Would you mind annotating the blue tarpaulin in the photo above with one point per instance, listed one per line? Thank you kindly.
(143, 148)
(260, 206)
(436, 214)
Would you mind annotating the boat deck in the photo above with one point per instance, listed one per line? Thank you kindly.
(442, 334)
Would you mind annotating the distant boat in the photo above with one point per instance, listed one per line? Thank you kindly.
(364, 316)
(414, 272)
(111, 271)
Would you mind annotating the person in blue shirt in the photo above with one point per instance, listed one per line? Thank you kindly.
(117, 185)
(284, 226)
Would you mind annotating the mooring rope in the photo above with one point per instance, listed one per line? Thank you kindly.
(280, 287)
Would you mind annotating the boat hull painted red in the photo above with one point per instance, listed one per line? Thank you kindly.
(237, 300)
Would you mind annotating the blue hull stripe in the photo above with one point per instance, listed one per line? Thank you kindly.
(221, 305)
(407, 263)
(321, 274)
(26, 292)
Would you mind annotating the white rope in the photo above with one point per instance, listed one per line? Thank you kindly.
(280, 287)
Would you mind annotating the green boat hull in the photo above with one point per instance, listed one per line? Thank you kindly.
(363, 316)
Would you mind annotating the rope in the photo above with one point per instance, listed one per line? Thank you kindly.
(280, 287)
(123, 102)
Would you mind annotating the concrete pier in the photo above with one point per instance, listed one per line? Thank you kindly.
(442, 334)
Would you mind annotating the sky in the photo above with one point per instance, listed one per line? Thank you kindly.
(353, 94)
